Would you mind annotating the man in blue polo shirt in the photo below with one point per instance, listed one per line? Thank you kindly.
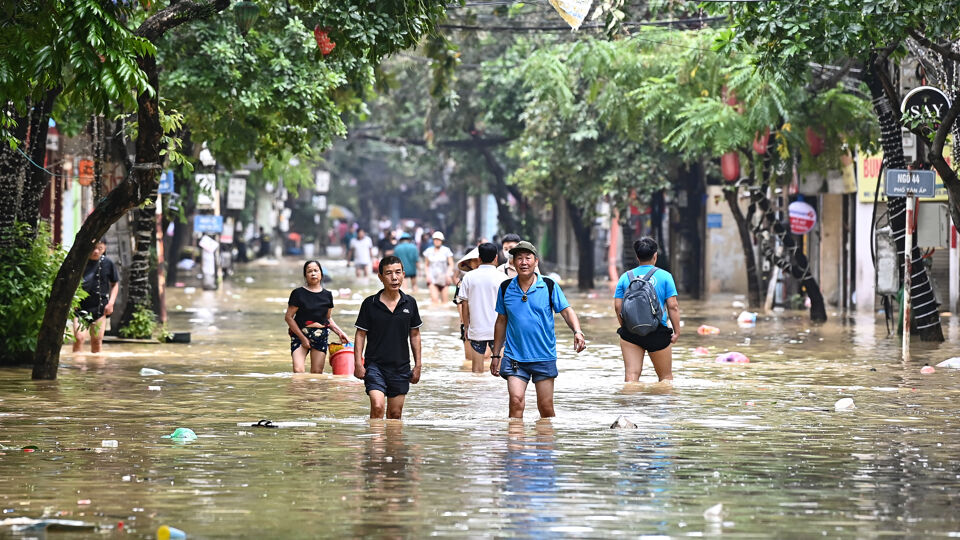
(525, 308)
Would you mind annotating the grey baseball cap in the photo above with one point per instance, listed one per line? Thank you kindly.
(524, 246)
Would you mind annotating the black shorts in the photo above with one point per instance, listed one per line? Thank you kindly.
(655, 341)
(391, 381)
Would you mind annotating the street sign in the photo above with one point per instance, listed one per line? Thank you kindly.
(901, 182)
(166, 182)
(206, 223)
(322, 181)
(802, 217)
(206, 189)
(320, 202)
(236, 193)
(714, 221)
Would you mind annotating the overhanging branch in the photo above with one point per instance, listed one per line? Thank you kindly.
(176, 14)
(944, 51)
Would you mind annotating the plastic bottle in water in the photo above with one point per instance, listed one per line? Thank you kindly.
(166, 532)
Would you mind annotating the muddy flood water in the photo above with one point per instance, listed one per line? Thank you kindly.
(762, 439)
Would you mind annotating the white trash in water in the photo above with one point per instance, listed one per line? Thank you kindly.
(845, 404)
(951, 363)
(148, 372)
(153, 388)
(714, 513)
(747, 317)
(738, 304)
(248, 279)
(109, 443)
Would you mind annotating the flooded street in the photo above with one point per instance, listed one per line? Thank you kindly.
(761, 438)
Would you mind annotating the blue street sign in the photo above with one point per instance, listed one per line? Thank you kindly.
(205, 223)
(166, 183)
(714, 221)
(900, 182)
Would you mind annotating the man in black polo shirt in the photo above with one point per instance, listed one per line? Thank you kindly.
(387, 320)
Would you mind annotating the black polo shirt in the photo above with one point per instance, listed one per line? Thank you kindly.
(388, 333)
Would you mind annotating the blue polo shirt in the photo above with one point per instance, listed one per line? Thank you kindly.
(530, 329)
(662, 283)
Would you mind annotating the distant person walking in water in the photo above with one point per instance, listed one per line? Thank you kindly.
(510, 240)
(525, 308)
(439, 262)
(478, 295)
(310, 318)
(101, 281)
(658, 342)
(407, 252)
(361, 253)
(388, 326)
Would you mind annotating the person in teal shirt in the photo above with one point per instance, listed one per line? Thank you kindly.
(409, 256)
(658, 343)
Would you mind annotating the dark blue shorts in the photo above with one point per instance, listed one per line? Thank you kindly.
(538, 371)
(481, 345)
(317, 337)
(392, 382)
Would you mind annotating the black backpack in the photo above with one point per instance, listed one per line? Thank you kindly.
(550, 284)
(641, 311)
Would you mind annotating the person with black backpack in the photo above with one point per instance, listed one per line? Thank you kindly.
(646, 297)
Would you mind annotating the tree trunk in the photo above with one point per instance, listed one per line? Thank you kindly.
(189, 201)
(950, 179)
(585, 255)
(791, 260)
(628, 257)
(36, 180)
(12, 170)
(924, 303)
(746, 243)
(139, 289)
(138, 185)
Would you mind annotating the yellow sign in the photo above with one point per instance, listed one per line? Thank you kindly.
(868, 171)
(572, 11)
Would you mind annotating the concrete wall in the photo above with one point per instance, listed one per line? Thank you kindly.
(724, 266)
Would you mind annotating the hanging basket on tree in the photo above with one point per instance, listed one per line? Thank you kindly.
(323, 40)
(730, 166)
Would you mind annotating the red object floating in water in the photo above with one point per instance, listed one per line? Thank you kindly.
(701, 351)
(733, 357)
(926, 370)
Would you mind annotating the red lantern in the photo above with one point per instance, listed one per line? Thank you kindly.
(814, 142)
(730, 166)
(760, 142)
(323, 40)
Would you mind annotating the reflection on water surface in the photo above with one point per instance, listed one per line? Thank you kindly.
(761, 438)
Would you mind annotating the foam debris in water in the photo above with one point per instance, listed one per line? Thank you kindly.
(622, 423)
(714, 513)
(951, 363)
(149, 372)
(845, 404)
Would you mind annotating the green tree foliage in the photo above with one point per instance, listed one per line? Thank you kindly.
(85, 48)
(25, 277)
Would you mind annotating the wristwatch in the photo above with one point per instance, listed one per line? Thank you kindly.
(497, 356)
